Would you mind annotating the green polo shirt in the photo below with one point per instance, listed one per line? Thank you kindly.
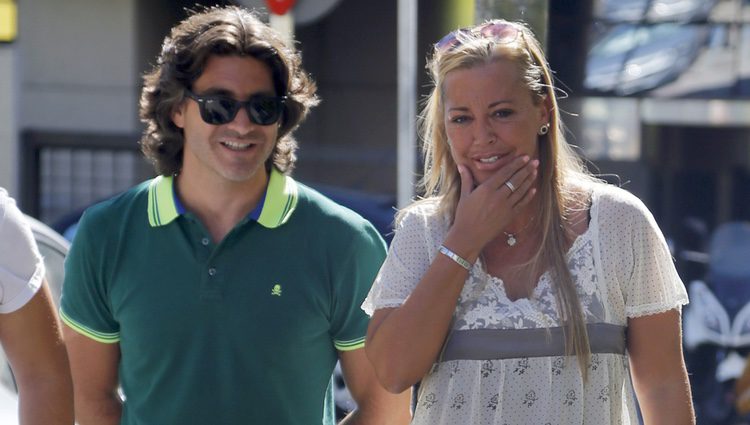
(245, 331)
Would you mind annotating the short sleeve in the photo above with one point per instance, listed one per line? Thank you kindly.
(638, 257)
(21, 265)
(84, 305)
(407, 261)
(359, 264)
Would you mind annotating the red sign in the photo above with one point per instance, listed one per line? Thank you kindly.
(280, 7)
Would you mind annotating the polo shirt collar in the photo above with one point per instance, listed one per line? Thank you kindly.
(275, 208)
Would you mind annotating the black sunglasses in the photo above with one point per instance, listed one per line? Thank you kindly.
(217, 110)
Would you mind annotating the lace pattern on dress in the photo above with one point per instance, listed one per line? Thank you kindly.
(484, 304)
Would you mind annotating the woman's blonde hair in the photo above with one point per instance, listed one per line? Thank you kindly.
(560, 168)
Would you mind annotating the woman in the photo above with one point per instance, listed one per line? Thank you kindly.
(522, 290)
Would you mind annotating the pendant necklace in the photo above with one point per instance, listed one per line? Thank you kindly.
(511, 237)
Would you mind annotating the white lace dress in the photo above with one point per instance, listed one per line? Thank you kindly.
(622, 268)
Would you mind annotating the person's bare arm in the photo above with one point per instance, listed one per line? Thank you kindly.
(375, 405)
(95, 379)
(33, 343)
(658, 369)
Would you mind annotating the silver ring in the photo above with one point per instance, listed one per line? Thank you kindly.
(510, 186)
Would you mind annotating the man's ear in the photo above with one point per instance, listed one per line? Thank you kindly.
(178, 115)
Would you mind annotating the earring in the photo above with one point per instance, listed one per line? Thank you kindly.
(543, 129)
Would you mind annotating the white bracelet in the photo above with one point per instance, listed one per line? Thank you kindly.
(455, 257)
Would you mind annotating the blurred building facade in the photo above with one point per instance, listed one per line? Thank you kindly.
(661, 90)
(659, 94)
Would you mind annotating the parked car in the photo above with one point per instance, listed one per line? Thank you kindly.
(53, 248)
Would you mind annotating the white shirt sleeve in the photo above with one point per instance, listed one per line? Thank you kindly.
(21, 265)
(411, 252)
(636, 258)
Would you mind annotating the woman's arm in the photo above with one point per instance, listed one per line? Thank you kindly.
(402, 343)
(375, 405)
(658, 369)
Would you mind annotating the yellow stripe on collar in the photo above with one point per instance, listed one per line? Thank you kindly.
(280, 201)
(161, 207)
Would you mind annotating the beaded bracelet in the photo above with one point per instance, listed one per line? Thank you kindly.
(455, 257)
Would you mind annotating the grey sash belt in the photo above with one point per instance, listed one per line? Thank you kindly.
(494, 344)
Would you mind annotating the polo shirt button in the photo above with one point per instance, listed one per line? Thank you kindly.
(205, 241)
(211, 271)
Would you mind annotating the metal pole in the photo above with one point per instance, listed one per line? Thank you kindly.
(284, 24)
(407, 101)
(9, 86)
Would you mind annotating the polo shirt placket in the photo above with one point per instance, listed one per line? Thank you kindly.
(206, 252)
(211, 284)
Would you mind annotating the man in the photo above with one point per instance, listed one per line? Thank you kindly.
(29, 328)
(222, 291)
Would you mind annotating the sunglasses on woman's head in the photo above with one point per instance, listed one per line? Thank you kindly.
(217, 110)
(499, 31)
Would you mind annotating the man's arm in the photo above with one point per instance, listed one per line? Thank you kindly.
(375, 405)
(95, 379)
(658, 369)
(33, 343)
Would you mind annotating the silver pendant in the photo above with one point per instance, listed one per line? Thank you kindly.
(511, 239)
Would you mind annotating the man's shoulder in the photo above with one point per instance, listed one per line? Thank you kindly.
(320, 209)
(339, 224)
(117, 207)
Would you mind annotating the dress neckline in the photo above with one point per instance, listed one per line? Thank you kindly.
(544, 279)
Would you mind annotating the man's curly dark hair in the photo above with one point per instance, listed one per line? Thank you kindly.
(222, 31)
